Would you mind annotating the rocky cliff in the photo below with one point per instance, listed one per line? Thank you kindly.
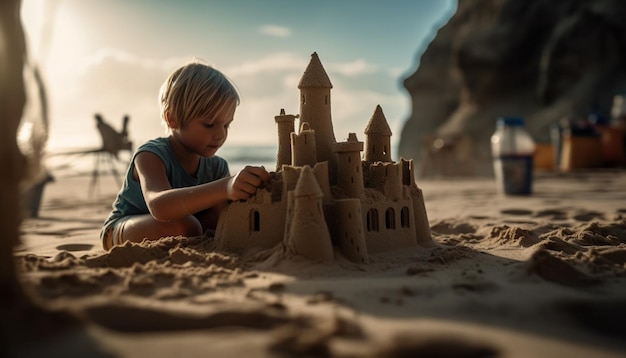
(541, 59)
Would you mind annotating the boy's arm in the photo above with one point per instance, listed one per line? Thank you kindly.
(166, 203)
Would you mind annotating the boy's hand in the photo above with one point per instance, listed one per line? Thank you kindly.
(245, 183)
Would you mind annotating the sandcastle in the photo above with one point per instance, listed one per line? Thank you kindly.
(323, 195)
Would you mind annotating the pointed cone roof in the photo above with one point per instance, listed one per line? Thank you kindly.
(307, 184)
(315, 75)
(378, 123)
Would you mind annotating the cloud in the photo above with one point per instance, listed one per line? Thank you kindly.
(355, 68)
(275, 30)
(283, 61)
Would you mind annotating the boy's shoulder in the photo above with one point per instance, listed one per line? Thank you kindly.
(158, 146)
(152, 143)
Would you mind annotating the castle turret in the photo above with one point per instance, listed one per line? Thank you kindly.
(315, 89)
(285, 124)
(378, 138)
(308, 233)
(350, 236)
(303, 146)
(349, 167)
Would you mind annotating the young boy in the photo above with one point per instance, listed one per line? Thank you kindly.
(176, 185)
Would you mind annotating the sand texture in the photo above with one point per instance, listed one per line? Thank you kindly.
(541, 276)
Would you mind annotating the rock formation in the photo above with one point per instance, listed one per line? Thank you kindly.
(543, 60)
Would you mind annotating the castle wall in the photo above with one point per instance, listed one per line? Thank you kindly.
(389, 225)
(290, 207)
(422, 227)
(250, 224)
(408, 172)
(387, 178)
(290, 176)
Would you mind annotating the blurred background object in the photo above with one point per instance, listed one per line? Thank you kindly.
(541, 60)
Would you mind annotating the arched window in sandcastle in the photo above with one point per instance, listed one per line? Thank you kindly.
(404, 217)
(303, 99)
(372, 220)
(326, 99)
(390, 219)
(255, 220)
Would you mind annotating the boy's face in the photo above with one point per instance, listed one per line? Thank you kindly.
(205, 135)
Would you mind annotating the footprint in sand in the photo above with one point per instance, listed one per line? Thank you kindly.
(475, 287)
(588, 215)
(516, 212)
(479, 217)
(75, 247)
(453, 227)
(552, 214)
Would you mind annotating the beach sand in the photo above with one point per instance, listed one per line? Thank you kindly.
(536, 276)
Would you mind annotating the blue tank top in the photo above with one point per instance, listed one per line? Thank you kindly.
(130, 201)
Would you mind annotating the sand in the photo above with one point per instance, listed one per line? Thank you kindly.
(543, 275)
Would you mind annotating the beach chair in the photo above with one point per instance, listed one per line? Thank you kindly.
(112, 143)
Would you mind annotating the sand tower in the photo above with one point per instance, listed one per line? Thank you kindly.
(349, 167)
(303, 146)
(378, 138)
(285, 124)
(308, 233)
(315, 89)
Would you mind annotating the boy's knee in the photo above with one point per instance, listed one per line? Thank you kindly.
(189, 226)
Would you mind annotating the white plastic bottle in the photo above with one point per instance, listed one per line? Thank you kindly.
(513, 149)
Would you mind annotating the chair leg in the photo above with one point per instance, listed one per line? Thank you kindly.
(116, 174)
(94, 175)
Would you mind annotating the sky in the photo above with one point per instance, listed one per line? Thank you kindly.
(111, 57)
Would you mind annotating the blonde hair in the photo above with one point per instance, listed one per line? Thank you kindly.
(195, 90)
